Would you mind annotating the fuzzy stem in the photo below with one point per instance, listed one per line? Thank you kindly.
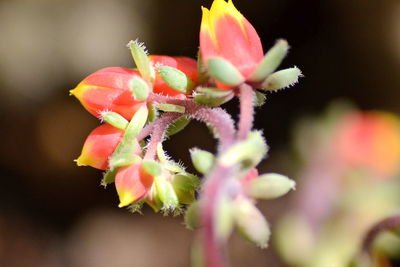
(384, 225)
(246, 117)
(158, 132)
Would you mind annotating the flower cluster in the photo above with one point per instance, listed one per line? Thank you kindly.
(160, 96)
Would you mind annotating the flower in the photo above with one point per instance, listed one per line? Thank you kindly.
(185, 64)
(108, 89)
(226, 33)
(132, 184)
(99, 146)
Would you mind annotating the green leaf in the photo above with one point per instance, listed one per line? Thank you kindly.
(271, 61)
(170, 108)
(175, 79)
(114, 119)
(281, 79)
(142, 61)
(139, 88)
(224, 71)
(212, 97)
(259, 99)
(202, 160)
(269, 186)
(177, 125)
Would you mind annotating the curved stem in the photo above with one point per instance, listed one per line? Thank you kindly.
(246, 111)
(384, 225)
(158, 129)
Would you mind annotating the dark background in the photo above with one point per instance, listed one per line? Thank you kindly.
(53, 213)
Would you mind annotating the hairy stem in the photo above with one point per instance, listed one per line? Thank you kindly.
(385, 225)
(246, 111)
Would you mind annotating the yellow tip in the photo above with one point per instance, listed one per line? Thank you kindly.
(125, 198)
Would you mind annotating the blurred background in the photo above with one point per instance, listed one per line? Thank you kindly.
(54, 214)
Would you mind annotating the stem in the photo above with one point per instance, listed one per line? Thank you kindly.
(157, 130)
(246, 117)
(384, 225)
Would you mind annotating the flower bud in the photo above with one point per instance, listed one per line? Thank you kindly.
(99, 146)
(132, 184)
(108, 89)
(166, 193)
(269, 186)
(251, 223)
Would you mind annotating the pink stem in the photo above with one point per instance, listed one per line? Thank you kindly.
(246, 111)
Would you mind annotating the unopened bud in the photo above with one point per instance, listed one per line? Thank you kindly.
(271, 61)
(251, 223)
(269, 186)
(281, 79)
(224, 71)
(175, 78)
(202, 160)
(166, 193)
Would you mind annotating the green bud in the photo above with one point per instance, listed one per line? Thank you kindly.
(124, 154)
(271, 61)
(139, 87)
(224, 71)
(250, 151)
(185, 185)
(114, 119)
(202, 160)
(212, 97)
(152, 167)
(166, 193)
(281, 79)
(175, 79)
(108, 177)
(259, 99)
(177, 125)
(192, 216)
(270, 186)
(170, 108)
(224, 220)
(137, 122)
(142, 62)
(251, 223)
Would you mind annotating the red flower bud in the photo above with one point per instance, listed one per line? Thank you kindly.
(108, 89)
(132, 184)
(99, 146)
(185, 64)
(226, 33)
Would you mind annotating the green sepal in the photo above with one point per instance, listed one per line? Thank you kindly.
(225, 220)
(251, 224)
(224, 71)
(124, 154)
(202, 160)
(177, 125)
(151, 167)
(166, 193)
(259, 99)
(142, 61)
(281, 79)
(192, 216)
(168, 164)
(153, 200)
(114, 119)
(271, 61)
(108, 177)
(176, 79)
(269, 186)
(137, 123)
(186, 181)
(136, 207)
(153, 112)
(249, 152)
(212, 97)
(170, 108)
(139, 87)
